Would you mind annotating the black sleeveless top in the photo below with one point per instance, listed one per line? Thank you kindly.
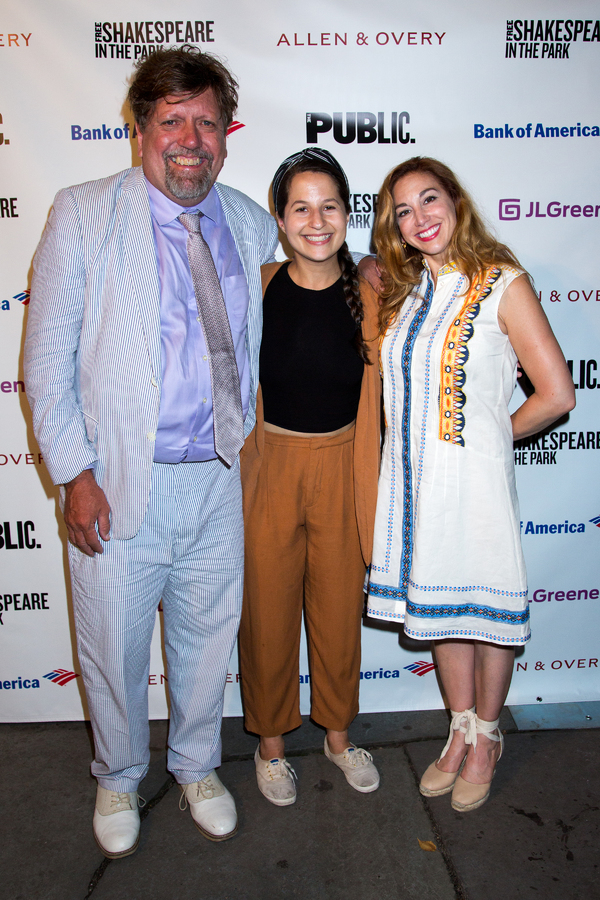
(310, 371)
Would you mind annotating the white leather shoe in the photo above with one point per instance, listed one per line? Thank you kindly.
(212, 807)
(116, 822)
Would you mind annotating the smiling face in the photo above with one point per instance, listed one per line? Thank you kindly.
(314, 220)
(426, 216)
(183, 147)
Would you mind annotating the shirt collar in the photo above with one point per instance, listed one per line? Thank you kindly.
(445, 270)
(166, 211)
(448, 268)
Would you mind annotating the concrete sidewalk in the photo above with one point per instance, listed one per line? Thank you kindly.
(538, 836)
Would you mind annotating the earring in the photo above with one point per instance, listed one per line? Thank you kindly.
(404, 245)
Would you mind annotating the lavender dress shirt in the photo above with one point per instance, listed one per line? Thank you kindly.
(185, 420)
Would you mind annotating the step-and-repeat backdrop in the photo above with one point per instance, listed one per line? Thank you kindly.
(505, 93)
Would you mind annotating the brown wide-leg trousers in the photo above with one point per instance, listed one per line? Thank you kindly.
(302, 550)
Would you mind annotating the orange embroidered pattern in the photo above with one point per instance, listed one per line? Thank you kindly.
(454, 356)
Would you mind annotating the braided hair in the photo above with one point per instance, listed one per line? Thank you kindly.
(323, 162)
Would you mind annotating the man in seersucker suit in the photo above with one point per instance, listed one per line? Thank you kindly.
(142, 368)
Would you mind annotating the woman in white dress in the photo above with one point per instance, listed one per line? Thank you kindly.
(457, 312)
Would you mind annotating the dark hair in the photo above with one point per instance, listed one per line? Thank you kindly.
(181, 70)
(471, 247)
(347, 265)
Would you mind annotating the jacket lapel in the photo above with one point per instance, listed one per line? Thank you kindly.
(133, 214)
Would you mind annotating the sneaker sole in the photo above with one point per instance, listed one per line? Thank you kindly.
(360, 788)
(275, 802)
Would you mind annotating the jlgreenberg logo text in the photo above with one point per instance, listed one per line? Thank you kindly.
(509, 209)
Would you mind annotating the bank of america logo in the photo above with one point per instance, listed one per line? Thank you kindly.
(61, 676)
(23, 297)
(596, 521)
(421, 667)
(234, 127)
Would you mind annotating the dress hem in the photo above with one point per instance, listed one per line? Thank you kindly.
(467, 634)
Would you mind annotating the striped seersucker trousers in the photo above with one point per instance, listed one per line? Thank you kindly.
(189, 552)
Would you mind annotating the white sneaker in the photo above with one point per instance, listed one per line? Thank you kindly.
(357, 766)
(275, 779)
(212, 807)
(116, 822)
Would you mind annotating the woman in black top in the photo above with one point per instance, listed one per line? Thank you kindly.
(309, 472)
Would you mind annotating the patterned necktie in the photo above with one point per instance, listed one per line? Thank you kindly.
(228, 421)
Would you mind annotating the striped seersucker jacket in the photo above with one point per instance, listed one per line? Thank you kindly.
(92, 352)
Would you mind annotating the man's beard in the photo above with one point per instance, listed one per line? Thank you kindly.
(191, 185)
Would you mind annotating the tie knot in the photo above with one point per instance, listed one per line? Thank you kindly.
(191, 222)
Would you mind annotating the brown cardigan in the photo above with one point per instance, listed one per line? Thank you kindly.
(367, 437)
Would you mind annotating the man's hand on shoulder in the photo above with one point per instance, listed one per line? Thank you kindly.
(86, 505)
(369, 270)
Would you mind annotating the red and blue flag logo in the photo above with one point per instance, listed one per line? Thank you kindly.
(61, 676)
(421, 667)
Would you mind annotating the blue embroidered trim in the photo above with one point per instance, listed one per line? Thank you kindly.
(468, 609)
(392, 437)
(407, 505)
(384, 590)
(466, 589)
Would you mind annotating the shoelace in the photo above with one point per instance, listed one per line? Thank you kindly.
(281, 770)
(205, 790)
(357, 756)
(121, 802)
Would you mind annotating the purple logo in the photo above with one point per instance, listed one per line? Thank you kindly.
(509, 210)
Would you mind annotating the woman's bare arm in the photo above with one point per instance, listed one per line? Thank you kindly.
(522, 318)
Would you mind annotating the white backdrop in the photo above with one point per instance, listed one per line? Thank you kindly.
(506, 94)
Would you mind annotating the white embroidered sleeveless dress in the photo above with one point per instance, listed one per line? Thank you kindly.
(447, 557)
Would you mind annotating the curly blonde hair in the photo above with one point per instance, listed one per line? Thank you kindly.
(471, 247)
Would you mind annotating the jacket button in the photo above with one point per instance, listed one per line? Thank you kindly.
(151, 436)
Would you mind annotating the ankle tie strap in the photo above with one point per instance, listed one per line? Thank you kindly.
(468, 729)
(487, 728)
